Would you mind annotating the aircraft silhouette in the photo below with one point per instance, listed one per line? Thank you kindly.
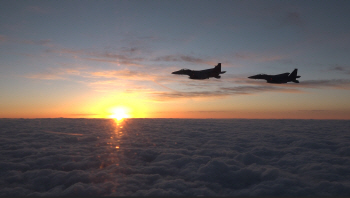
(202, 74)
(279, 78)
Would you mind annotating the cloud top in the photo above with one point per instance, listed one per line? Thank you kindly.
(174, 157)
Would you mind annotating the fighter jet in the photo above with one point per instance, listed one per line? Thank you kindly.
(279, 78)
(202, 74)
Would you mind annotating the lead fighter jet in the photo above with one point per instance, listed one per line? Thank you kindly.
(202, 74)
(279, 78)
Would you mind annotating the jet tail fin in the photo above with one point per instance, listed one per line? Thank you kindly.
(294, 74)
(218, 67)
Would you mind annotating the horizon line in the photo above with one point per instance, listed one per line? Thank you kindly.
(188, 118)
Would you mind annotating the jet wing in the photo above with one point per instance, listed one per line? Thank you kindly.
(199, 75)
(282, 75)
(206, 70)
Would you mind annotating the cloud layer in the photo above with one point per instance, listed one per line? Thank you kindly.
(153, 157)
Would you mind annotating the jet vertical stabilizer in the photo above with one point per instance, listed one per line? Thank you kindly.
(293, 76)
(218, 68)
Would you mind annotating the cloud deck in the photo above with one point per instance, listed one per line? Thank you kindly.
(100, 157)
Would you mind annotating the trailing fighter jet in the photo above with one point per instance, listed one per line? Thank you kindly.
(279, 78)
(202, 74)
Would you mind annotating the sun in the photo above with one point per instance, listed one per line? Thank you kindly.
(119, 113)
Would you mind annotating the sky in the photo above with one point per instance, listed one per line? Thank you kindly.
(97, 59)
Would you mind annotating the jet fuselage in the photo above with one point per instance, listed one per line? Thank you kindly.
(279, 78)
(201, 74)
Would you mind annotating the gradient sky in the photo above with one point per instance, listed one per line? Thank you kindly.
(86, 58)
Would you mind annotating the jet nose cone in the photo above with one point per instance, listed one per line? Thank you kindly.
(259, 76)
(182, 71)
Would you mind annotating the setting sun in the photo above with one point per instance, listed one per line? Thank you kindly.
(120, 113)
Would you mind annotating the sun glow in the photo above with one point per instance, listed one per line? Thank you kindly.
(120, 113)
